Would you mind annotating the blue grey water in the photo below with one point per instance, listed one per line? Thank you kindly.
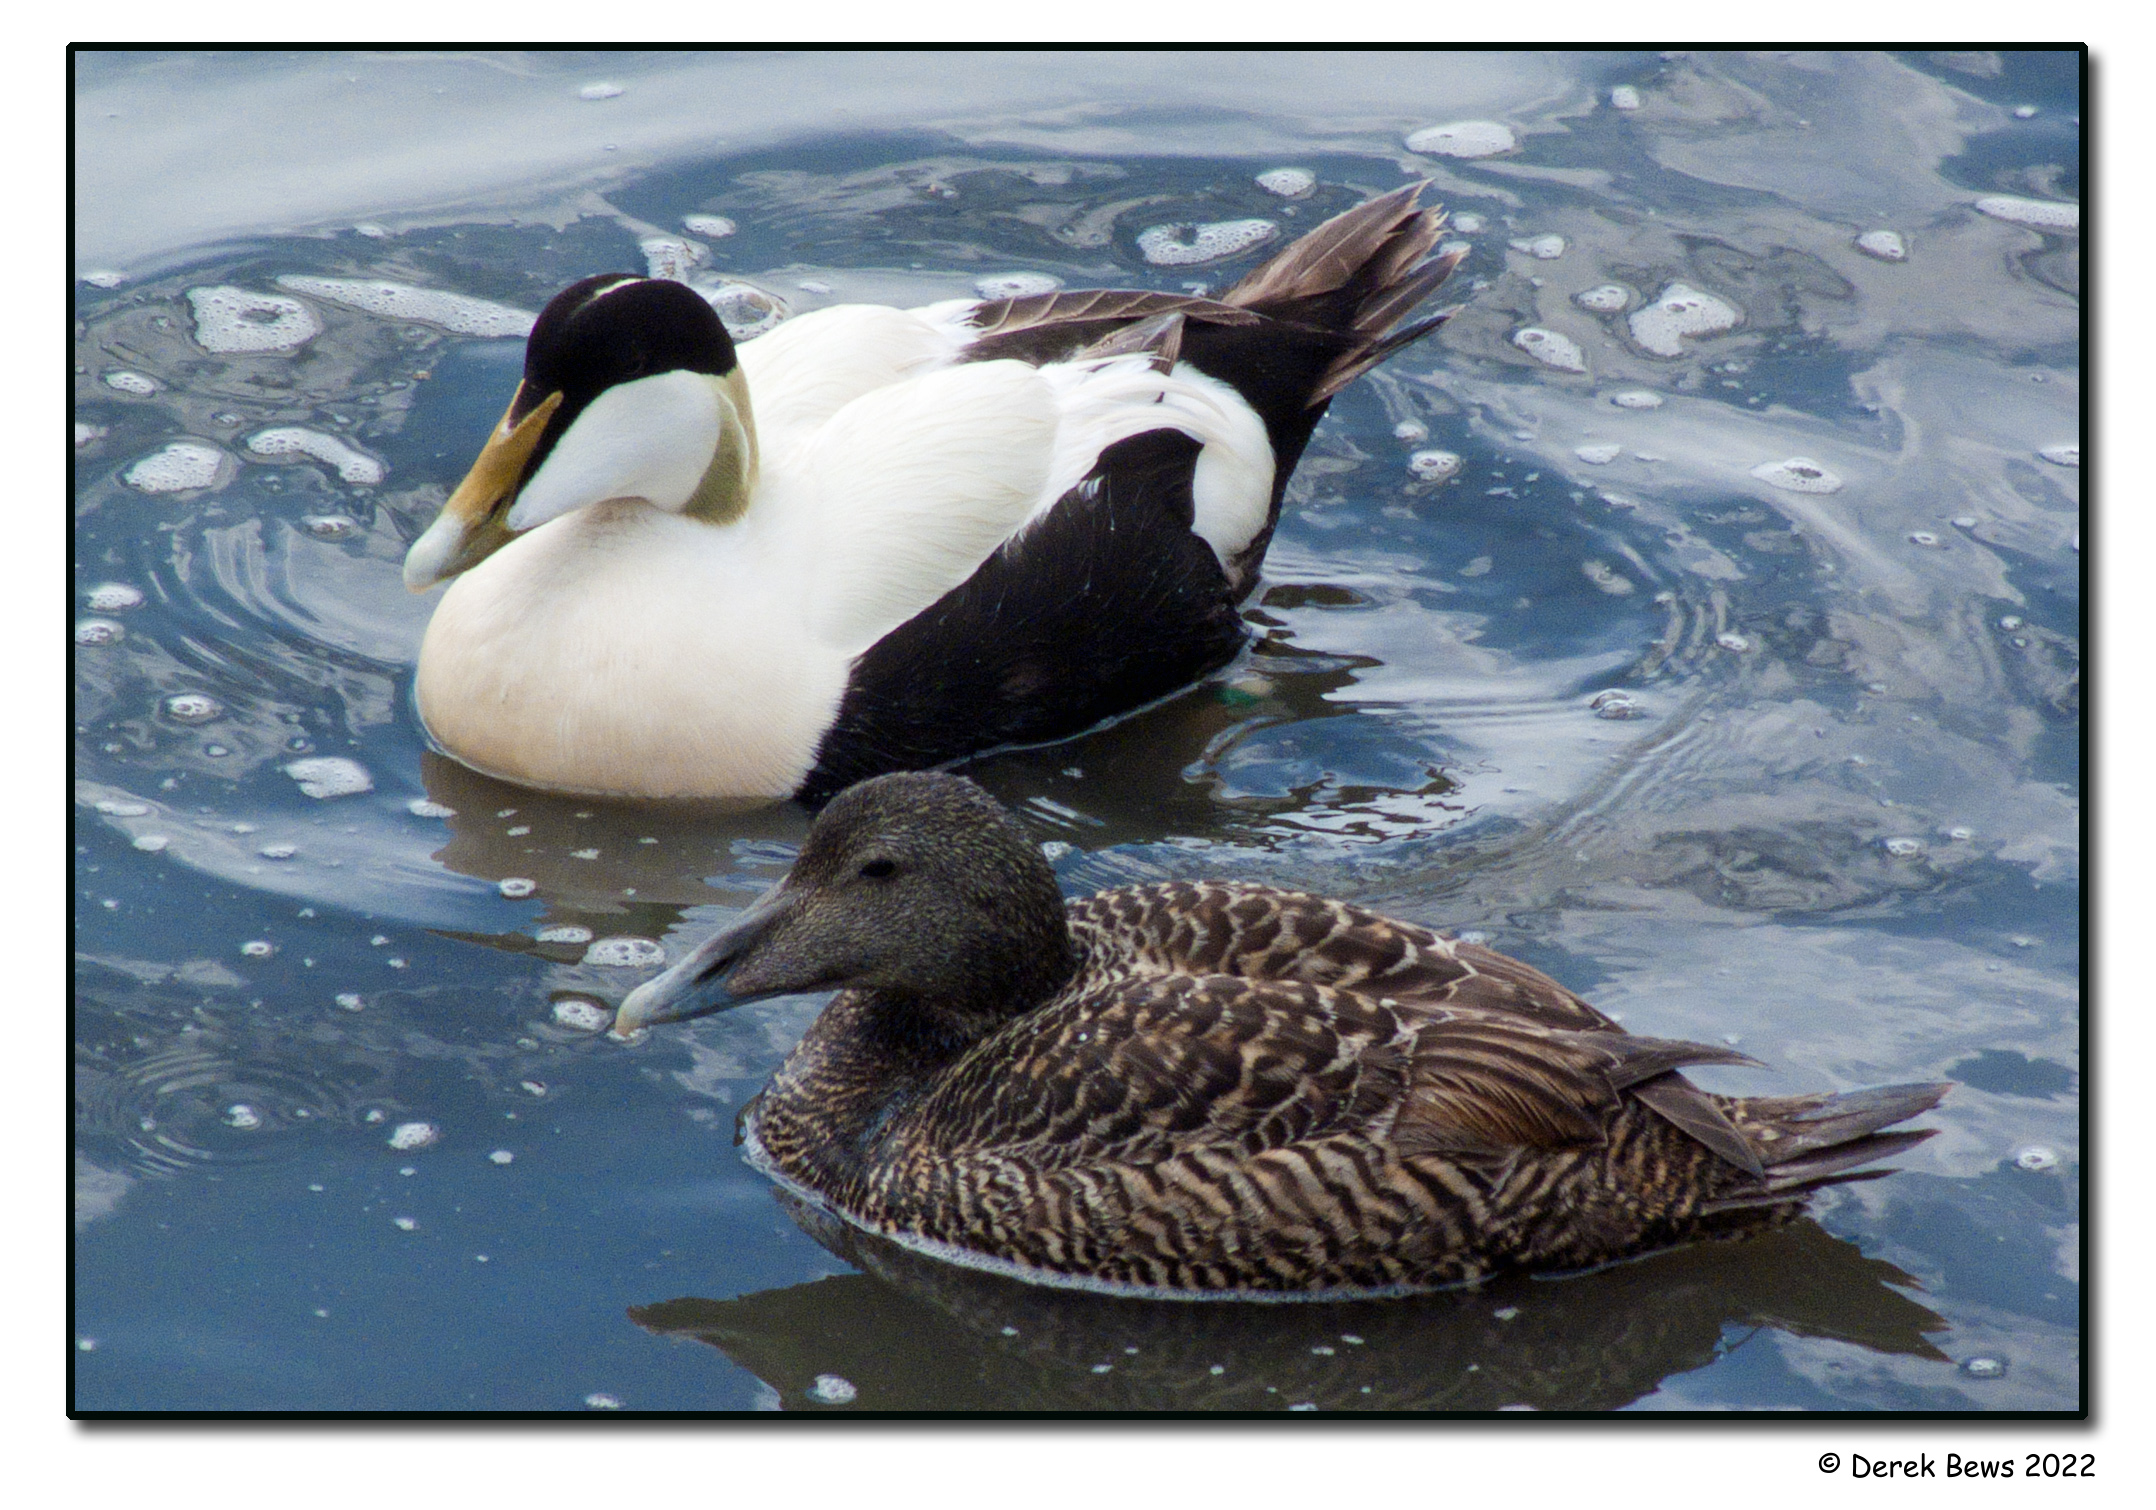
(1838, 824)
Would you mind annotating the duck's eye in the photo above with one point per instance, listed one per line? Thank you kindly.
(876, 870)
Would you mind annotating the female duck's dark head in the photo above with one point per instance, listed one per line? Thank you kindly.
(917, 887)
(631, 390)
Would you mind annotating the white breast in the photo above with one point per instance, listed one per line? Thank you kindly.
(626, 651)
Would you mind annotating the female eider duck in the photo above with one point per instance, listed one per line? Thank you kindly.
(938, 531)
(1215, 1089)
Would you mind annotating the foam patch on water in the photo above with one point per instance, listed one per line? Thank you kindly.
(237, 319)
(1547, 248)
(192, 707)
(581, 1014)
(514, 887)
(625, 953)
(177, 467)
(458, 313)
(1434, 466)
(1681, 311)
(1624, 97)
(1463, 139)
(86, 432)
(291, 440)
(1600, 454)
(104, 278)
(1887, 246)
(2036, 214)
(603, 89)
(1551, 349)
(325, 776)
(130, 382)
(1637, 398)
(744, 309)
(1468, 223)
(563, 933)
(1188, 245)
(114, 597)
(406, 1136)
(669, 257)
(831, 1389)
(1015, 285)
(708, 225)
(1603, 299)
(2062, 456)
(1799, 474)
(424, 807)
(1288, 183)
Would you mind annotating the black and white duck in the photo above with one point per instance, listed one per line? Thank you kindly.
(1199, 1090)
(929, 533)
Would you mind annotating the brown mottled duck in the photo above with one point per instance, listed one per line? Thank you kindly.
(1201, 1090)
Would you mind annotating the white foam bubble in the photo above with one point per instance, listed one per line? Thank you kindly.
(371, 231)
(1732, 641)
(2036, 214)
(563, 933)
(501, 1156)
(130, 382)
(516, 886)
(1624, 97)
(1463, 139)
(831, 1389)
(1923, 537)
(1547, 248)
(1614, 704)
(176, 467)
(603, 89)
(1468, 223)
(193, 707)
(2036, 1158)
(1637, 398)
(423, 807)
(258, 948)
(459, 313)
(1551, 349)
(1411, 430)
(98, 632)
(1603, 299)
(238, 319)
(1434, 466)
(86, 432)
(625, 953)
(114, 808)
(744, 309)
(2024, 112)
(292, 440)
(708, 225)
(1887, 246)
(115, 597)
(1904, 847)
(1188, 245)
(1015, 285)
(151, 843)
(278, 851)
(104, 278)
(669, 257)
(405, 1223)
(1288, 183)
(406, 1136)
(351, 1001)
(1681, 311)
(1600, 454)
(1799, 474)
(325, 776)
(2062, 456)
(581, 1014)
(242, 1116)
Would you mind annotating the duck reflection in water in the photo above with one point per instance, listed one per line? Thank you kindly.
(912, 1334)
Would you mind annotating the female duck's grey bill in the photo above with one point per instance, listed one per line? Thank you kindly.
(696, 986)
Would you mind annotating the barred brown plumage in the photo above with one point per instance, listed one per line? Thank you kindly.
(1215, 1088)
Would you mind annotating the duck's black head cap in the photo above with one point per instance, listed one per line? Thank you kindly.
(614, 328)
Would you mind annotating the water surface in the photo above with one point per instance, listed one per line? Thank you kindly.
(1838, 825)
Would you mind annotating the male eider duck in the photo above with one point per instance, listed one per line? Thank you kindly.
(1217, 1089)
(880, 539)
